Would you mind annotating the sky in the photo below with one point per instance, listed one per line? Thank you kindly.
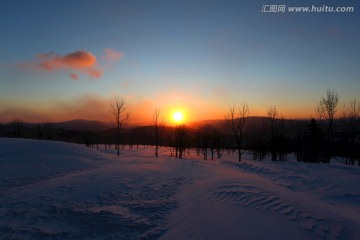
(67, 59)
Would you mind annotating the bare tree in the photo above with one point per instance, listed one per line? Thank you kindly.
(180, 135)
(277, 141)
(39, 131)
(351, 128)
(170, 135)
(351, 116)
(217, 143)
(117, 109)
(17, 127)
(326, 110)
(272, 116)
(204, 139)
(48, 130)
(158, 128)
(235, 121)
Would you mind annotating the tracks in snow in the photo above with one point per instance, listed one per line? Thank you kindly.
(266, 201)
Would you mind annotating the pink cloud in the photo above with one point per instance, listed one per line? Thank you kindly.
(74, 76)
(125, 84)
(76, 60)
(96, 73)
(334, 32)
(80, 61)
(112, 55)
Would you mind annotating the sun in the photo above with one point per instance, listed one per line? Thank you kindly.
(178, 117)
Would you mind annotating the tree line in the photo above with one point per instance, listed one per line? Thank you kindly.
(315, 140)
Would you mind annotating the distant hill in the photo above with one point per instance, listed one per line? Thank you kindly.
(73, 125)
(197, 124)
(98, 126)
(92, 132)
(251, 122)
(83, 125)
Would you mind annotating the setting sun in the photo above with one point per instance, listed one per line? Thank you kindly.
(178, 117)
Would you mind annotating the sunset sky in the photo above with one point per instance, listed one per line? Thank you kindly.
(63, 60)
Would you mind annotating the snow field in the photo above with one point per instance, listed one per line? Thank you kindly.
(54, 190)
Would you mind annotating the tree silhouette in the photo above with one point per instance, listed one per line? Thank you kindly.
(204, 139)
(277, 141)
(18, 126)
(235, 121)
(180, 135)
(326, 111)
(158, 128)
(312, 144)
(117, 109)
(351, 131)
(217, 143)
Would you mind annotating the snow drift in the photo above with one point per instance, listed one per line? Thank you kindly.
(54, 190)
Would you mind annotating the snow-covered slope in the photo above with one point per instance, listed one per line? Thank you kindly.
(54, 190)
(23, 161)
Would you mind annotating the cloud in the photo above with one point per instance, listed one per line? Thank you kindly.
(334, 32)
(76, 60)
(74, 76)
(124, 84)
(112, 55)
(81, 61)
(220, 91)
(96, 73)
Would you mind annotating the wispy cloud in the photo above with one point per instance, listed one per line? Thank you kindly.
(112, 55)
(220, 91)
(74, 76)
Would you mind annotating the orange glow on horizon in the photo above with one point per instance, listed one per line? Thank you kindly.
(95, 107)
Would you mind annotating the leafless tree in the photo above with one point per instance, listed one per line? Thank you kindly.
(274, 121)
(235, 121)
(48, 130)
(351, 116)
(39, 131)
(17, 127)
(217, 144)
(170, 135)
(351, 128)
(204, 139)
(220, 147)
(118, 110)
(180, 140)
(272, 117)
(158, 128)
(326, 110)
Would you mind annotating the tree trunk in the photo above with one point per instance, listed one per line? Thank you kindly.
(239, 149)
(118, 141)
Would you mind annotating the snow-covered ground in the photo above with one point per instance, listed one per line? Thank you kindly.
(54, 190)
